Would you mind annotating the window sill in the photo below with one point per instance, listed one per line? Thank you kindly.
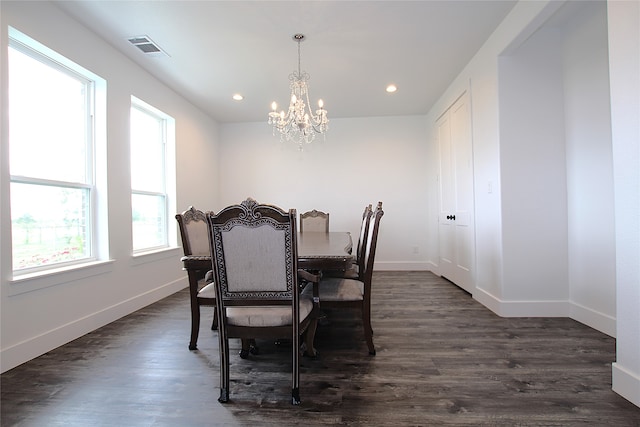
(24, 283)
(156, 255)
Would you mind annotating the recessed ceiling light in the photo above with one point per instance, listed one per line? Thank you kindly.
(238, 97)
(391, 88)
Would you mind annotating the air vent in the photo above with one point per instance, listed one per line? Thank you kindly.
(147, 46)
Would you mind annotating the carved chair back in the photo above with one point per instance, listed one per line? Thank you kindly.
(314, 220)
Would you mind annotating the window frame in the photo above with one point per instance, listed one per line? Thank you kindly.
(95, 90)
(168, 174)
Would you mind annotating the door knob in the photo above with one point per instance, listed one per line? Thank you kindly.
(453, 217)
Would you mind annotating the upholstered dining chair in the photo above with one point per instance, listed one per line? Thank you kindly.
(314, 221)
(342, 292)
(197, 262)
(255, 264)
(364, 229)
(352, 273)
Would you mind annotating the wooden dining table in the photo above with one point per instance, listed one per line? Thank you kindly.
(316, 251)
(325, 251)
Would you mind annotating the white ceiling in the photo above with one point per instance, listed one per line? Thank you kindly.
(353, 49)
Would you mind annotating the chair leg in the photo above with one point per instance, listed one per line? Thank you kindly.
(249, 346)
(195, 326)
(224, 395)
(224, 367)
(195, 313)
(368, 330)
(295, 396)
(295, 349)
(244, 350)
(310, 335)
(214, 323)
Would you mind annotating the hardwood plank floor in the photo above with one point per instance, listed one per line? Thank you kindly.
(442, 359)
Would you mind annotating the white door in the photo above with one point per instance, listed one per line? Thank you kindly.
(456, 225)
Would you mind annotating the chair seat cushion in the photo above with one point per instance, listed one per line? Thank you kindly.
(209, 291)
(338, 289)
(267, 315)
(351, 273)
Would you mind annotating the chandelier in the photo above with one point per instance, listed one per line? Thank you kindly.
(299, 124)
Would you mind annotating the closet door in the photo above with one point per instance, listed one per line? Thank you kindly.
(456, 225)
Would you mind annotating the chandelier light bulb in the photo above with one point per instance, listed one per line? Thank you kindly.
(274, 106)
(320, 104)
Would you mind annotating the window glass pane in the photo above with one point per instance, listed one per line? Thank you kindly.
(48, 224)
(48, 121)
(147, 151)
(149, 224)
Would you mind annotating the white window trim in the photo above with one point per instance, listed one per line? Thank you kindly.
(142, 256)
(29, 280)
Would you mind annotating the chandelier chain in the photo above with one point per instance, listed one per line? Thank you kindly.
(299, 67)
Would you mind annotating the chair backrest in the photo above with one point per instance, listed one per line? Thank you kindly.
(314, 221)
(370, 246)
(193, 231)
(254, 254)
(364, 229)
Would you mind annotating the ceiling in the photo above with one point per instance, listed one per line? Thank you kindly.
(352, 51)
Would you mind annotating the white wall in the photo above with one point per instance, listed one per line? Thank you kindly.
(533, 177)
(557, 188)
(72, 304)
(624, 69)
(362, 161)
(591, 233)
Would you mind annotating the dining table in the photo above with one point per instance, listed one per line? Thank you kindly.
(324, 251)
(320, 251)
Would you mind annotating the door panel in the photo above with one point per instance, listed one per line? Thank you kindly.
(456, 220)
(445, 227)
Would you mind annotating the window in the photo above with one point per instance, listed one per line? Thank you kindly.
(52, 145)
(152, 133)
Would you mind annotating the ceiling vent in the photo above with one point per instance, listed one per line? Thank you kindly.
(147, 46)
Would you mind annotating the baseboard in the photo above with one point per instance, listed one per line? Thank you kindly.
(488, 300)
(625, 383)
(522, 308)
(594, 319)
(403, 266)
(20, 353)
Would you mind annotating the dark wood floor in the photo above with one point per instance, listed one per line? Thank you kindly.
(443, 359)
